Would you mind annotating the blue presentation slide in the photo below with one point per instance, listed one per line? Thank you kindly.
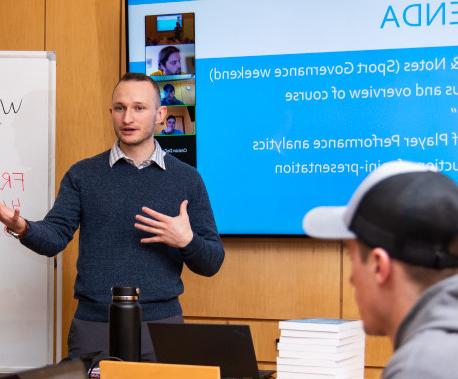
(296, 102)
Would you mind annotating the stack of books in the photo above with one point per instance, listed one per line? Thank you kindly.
(321, 348)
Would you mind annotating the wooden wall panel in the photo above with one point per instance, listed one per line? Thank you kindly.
(22, 24)
(373, 373)
(86, 37)
(269, 279)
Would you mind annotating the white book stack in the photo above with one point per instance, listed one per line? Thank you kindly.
(321, 348)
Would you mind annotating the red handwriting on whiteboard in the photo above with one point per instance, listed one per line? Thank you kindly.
(15, 203)
(12, 181)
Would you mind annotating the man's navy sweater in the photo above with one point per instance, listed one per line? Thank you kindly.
(103, 202)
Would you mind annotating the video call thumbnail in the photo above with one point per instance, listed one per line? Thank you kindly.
(180, 120)
(178, 92)
(169, 45)
(170, 61)
(169, 29)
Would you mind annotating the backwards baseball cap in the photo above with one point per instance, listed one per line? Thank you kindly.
(407, 208)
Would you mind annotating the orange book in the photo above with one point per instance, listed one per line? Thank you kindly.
(137, 370)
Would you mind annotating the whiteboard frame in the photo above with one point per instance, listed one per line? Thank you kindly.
(55, 269)
(54, 266)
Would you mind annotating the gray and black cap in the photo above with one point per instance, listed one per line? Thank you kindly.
(407, 208)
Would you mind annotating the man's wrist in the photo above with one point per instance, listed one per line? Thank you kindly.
(17, 235)
(187, 241)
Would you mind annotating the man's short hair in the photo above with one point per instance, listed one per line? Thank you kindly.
(408, 209)
(171, 117)
(165, 53)
(139, 77)
(169, 88)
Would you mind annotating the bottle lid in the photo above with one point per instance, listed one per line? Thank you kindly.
(125, 293)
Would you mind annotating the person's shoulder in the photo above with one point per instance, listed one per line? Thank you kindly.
(92, 162)
(174, 164)
(414, 358)
(157, 73)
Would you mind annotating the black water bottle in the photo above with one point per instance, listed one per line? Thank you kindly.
(125, 321)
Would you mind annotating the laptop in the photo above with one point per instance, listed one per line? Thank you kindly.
(228, 346)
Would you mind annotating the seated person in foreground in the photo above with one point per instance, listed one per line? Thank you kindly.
(401, 233)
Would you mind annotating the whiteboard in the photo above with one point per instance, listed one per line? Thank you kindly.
(27, 135)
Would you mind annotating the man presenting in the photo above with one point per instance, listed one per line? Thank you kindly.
(401, 233)
(130, 233)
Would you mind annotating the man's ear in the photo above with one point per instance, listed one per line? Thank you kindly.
(381, 264)
(161, 113)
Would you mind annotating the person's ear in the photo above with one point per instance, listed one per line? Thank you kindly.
(161, 113)
(381, 264)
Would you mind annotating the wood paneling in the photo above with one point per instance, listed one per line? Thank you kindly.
(22, 24)
(269, 279)
(372, 373)
(86, 37)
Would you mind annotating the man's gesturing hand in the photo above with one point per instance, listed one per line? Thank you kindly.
(12, 220)
(172, 231)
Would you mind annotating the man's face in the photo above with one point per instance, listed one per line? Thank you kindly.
(170, 94)
(172, 65)
(366, 291)
(135, 110)
(171, 125)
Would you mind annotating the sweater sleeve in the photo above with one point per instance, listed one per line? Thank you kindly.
(204, 255)
(51, 235)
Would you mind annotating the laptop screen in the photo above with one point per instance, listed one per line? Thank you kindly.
(228, 346)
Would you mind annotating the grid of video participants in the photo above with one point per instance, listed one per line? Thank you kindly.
(170, 61)
(170, 57)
